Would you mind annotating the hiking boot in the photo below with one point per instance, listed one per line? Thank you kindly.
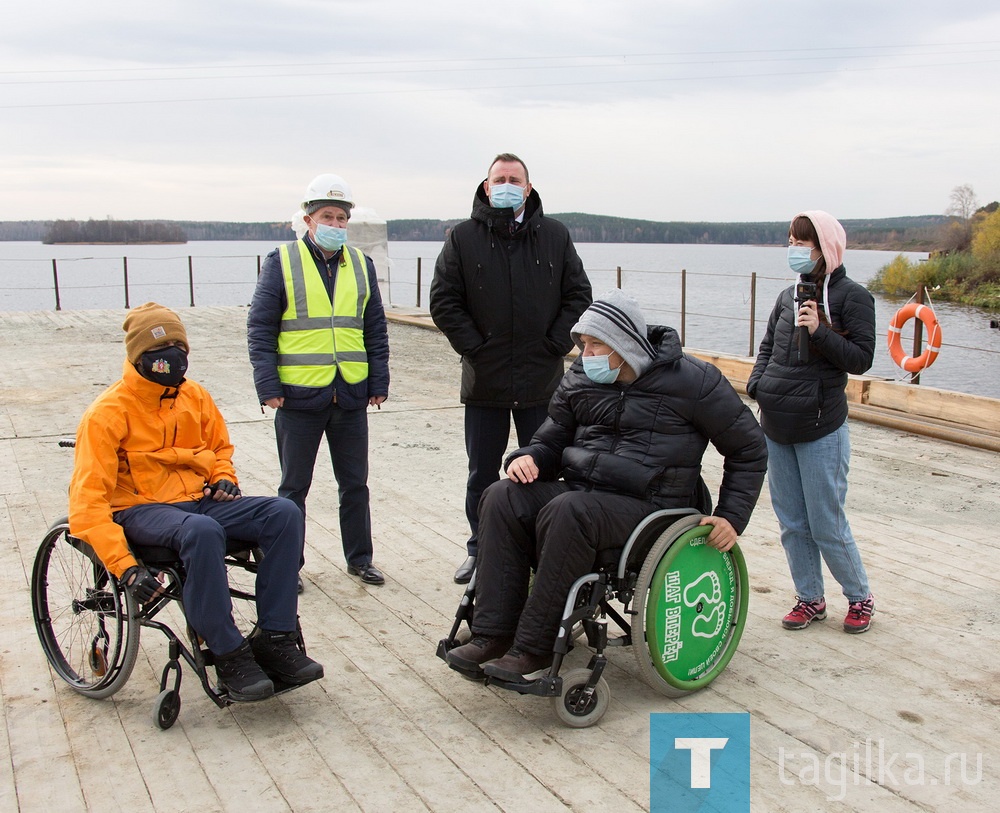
(804, 613)
(240, 675)
(279, 655)
(518, 666)
(482, 648)
(859, 615)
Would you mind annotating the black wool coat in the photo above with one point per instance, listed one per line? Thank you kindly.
(506, 300)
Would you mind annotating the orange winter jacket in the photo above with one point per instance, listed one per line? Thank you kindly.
(140, 443)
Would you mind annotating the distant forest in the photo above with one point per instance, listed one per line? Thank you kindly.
(899, 233)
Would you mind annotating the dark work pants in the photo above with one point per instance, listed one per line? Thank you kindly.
(299, 432)
(554, 529)
(198, 532)
(487, 430)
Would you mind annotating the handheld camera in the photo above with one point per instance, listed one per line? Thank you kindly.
(805, 290)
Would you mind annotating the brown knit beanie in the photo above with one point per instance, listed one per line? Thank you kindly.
(150, 325)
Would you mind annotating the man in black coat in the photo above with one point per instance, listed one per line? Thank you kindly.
(626, 432)
(508, 285)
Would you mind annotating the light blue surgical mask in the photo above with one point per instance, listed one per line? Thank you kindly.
(598, 369)
(330, 238)
(799, 260)
(506, 196)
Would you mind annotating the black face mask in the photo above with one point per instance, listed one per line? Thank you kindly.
(166, 366)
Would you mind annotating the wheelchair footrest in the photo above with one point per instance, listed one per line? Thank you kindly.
(447, 644)
(545, 686)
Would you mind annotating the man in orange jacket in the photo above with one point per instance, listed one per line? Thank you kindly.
(154, 465)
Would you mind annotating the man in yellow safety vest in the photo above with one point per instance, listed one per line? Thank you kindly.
(320, 355)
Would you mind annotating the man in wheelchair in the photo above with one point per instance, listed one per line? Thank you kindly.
(626, 431)
(153, 467)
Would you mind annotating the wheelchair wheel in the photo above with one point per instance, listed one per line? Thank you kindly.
(691, 608)
(241, 569)
(167, 708)
(572, 708)
(84, 619)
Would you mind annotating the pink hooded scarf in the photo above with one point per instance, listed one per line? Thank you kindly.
(832, 243)
(832, 237)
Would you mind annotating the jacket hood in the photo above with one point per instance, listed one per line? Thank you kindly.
(485, 213)
(832, 237)
(666, 342)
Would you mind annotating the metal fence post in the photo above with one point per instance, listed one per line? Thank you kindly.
(684, 283)
(191, 279)
(918, 335)
(418, 280)
(753, 309)
(618, 277)
(55, 282)
(125, 267)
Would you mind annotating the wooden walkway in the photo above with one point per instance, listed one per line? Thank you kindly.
(877, 722)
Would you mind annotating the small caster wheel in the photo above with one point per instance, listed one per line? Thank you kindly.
(572, 708)
(167, 708)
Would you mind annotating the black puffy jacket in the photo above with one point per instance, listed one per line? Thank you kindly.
(506, 302)
(646, 438)
(802, 402)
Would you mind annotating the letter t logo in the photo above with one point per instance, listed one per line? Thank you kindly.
(701, 757)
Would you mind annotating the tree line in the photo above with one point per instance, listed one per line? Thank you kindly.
(113, 231)
(921, 233)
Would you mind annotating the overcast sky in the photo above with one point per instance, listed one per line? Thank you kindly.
(711, 110)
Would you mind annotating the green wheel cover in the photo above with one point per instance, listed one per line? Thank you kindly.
(696, 610)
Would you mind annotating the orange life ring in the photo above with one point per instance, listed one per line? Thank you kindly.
(925, 359)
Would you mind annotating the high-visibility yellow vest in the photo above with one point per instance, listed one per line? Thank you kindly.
(319, 337)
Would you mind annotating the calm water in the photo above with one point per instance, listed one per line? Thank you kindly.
(718, 305)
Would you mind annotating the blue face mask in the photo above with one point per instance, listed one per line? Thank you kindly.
(330, 238)
(598, 369)
(798, 259)
(506, 196)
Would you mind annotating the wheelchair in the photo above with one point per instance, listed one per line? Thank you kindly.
(88, 623)
(687, 608)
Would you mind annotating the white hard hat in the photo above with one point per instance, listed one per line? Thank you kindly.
(327, 189)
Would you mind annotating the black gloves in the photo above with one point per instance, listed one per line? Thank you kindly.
(225, 486)
(142, 584)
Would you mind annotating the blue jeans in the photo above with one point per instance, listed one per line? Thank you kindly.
(299, 433)
(487, 430)
(198, 532)
(808, 483)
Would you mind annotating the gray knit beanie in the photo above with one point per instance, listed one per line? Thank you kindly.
(616, 320)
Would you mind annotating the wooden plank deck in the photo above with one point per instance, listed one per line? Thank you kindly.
(391, 728)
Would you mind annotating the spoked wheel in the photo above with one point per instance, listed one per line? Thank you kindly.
(167, 708)
(573, 707)
(241, 569)
(83, 617)
(691, 608)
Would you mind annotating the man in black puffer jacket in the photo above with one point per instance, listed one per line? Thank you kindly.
(507, 287)
(626, 431)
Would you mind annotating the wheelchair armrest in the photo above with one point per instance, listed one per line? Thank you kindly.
(650, 527)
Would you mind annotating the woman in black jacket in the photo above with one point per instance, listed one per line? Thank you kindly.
(626, 431)
(819, 331)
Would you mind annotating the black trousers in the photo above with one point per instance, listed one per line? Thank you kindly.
(299, 433)
(487, 430)
(557, 531)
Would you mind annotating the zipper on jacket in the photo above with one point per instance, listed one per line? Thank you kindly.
(619, 410)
